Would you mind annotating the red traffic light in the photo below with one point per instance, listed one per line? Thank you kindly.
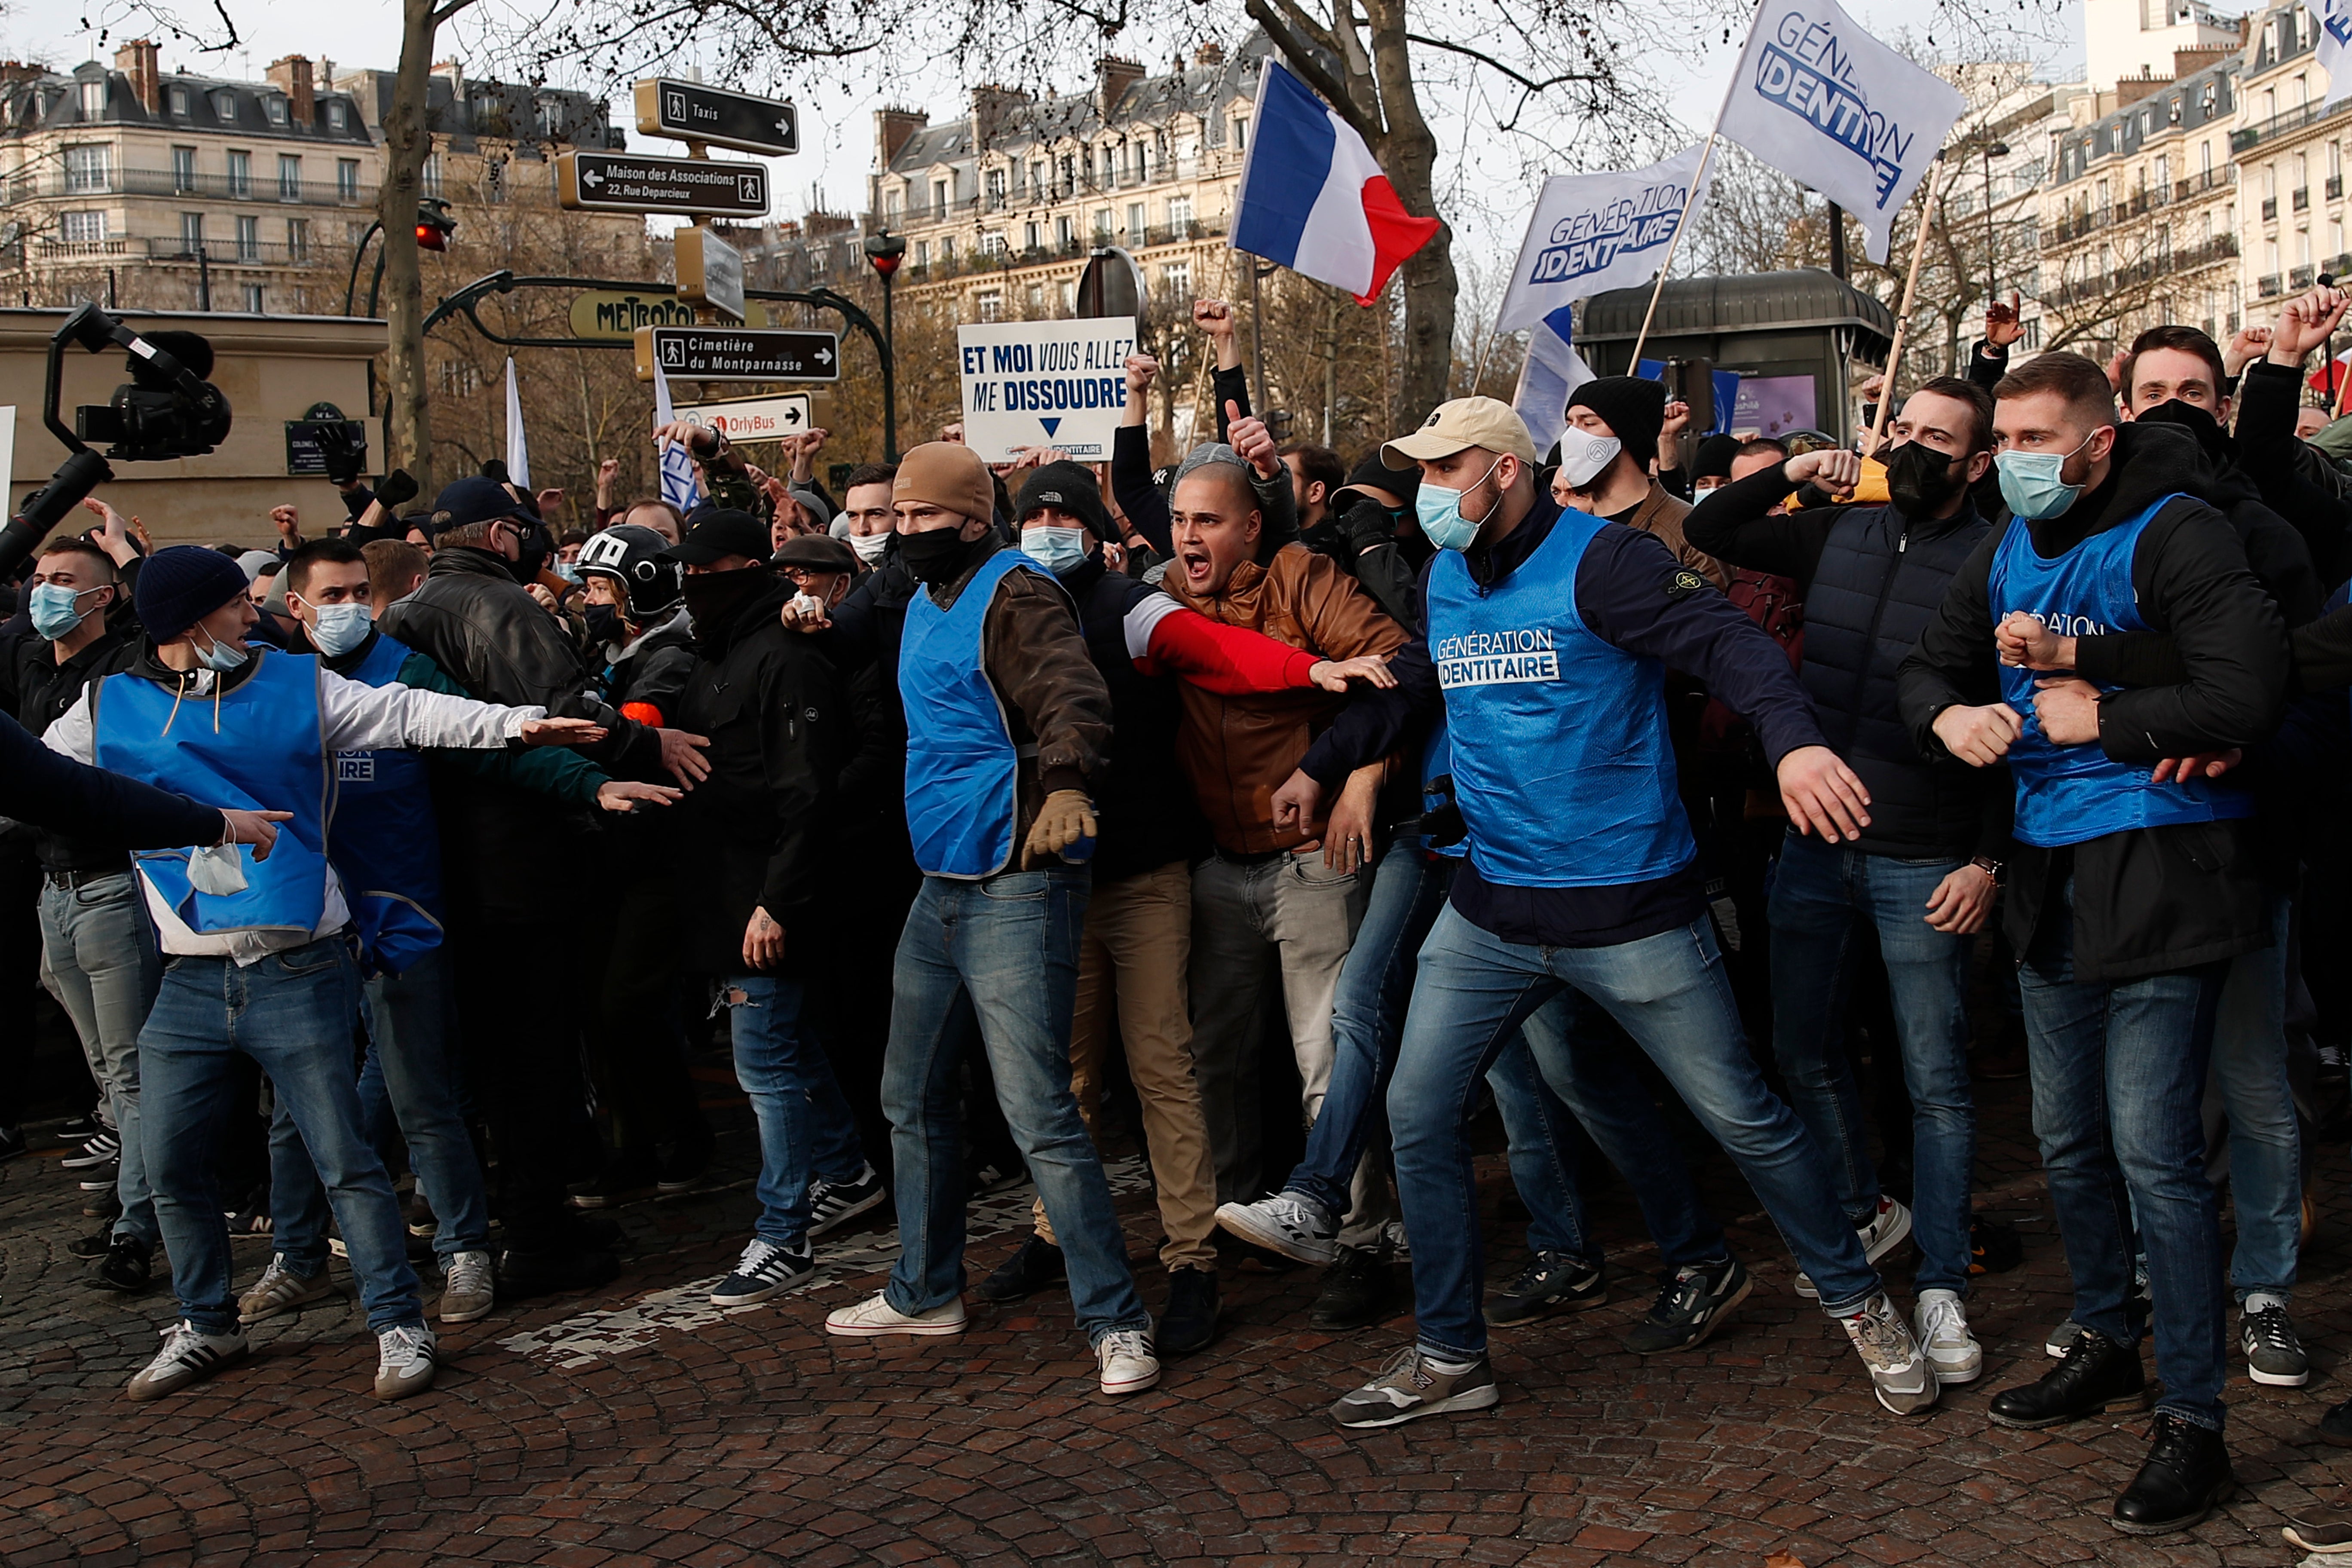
(886, 265)
(433, 225)
(430, 237)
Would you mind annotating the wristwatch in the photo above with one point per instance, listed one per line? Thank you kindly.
(1990, 866)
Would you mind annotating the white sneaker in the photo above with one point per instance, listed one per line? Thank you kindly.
(1887, 1229)
(1943, 1332)
(187, 1356)
(1284, 1224)
(1127, 1364)
(469, 1287)
(404, 1361)
(875, 1316)
(1905, 1383)
(280, 1289)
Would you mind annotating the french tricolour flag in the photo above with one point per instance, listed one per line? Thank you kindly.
(1313, 200)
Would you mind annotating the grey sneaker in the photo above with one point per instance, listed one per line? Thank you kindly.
(405, 1361)
(1408, 1388)
(1898, 1370)
(188, 1357)
(1285, 1223)
(469, 1287)
(1887, 1229)
(280, 1289)
(2275, 1356)
(1943, 1332)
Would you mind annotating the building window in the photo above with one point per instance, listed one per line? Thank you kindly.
(893, 205)
(347, 179)
(93, 100)
(248, 239)
(275, 107)
(1241, 132)
(240, 175)
(1037, 300)
(992, 244)
(82, 227)
(192, 232)
(290, 177)
(1135, 222)
(991, 306)
(1069, 174)
(298, 239)
(1179, 208)
(1143, 164)
(938, 196)
(1102, 223)
(184, 168)
(431, 177)
(946, 250)
(1178, 278)
(177, 99)
(923, 253)
(253, 299)
(1029, 234)
(338, 114)
(89, 170)
(224, 107)
(1065, 235)
(995, 190)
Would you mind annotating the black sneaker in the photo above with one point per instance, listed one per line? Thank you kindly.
(75, 1129)
(764, 1270)
(1191, 1320)
(2187, 1472)
(1551, 1282)
(1360, 1288)
(100, 1148)
(101, 1178)
(989, 1178)
(2275, 1356)
(683, 1167)
(833, 1204)
(423, 1222)
(126, 1266)
(1691, 1306)
(2336, 1426)
(12, 1142)
(2098, 1374)
(1035, 1266)
(527, 1274)
(615, 1186)
(94, 1245)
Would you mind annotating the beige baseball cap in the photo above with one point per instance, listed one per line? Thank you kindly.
(1465, 422)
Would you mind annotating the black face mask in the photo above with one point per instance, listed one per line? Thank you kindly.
(603, 624)
(2214, 440)
(937, 556)
(526, 568)
(713, 598)
(1920, 480)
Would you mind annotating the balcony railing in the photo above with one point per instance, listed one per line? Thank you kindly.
(54, 183)
(2284, 123)
(2204, 179)
(2267, 287)
(216, 253)
(2301, 276)
(2303, 198)
(2269, 209)
(2335, 188)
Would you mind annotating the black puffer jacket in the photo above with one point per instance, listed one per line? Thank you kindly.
(1145, 807)
(655, 670)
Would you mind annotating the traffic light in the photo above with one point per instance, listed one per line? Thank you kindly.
(885, 251)
(433, 225)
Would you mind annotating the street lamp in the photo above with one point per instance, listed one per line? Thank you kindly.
(886, 251)
(1992, 235)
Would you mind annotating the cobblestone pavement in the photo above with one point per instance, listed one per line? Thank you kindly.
(638, 1425)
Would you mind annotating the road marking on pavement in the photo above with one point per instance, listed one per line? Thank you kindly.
(612, 1331)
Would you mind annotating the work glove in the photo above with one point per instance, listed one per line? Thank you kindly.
(1367, 523)
(1066, 817)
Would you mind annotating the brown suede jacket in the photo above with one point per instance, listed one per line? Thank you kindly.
(1661, 514)
(1238, 751)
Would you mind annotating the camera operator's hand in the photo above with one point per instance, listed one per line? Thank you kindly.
(289, 523)
(113, 534)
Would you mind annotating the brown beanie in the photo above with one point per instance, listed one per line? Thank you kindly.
(950, 476)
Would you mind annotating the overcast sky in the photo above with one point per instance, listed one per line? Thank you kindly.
(1485, 185)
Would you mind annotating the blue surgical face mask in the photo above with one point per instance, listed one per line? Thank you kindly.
(568, 572)
(53, 608)
(342, 628)
(2030, 484)
(220, 658)
(1056, 549)
(1439, 510)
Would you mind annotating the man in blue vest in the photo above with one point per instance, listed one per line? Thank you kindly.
(2130, 894)
(384, 844)
(1549, 635)
(259, 958)
(1924, 871)
(1006, 718)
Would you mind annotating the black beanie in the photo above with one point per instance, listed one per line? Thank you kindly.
(1634, 409)
(1065, 486)
(180, 585)
(1713, 460)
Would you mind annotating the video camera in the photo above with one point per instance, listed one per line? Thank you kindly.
(165, 410)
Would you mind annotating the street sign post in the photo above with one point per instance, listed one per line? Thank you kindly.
(686, 187)
(754, 418)
(710, 270)
(738, 353)
(693, 113)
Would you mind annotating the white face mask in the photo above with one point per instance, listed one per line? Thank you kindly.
(1056, 549)
(870, 546)
(1582, 455)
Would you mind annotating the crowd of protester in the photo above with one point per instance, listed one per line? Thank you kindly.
(1623, 787)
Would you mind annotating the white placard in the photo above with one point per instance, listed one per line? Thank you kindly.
(753, 419)
(1045, 384)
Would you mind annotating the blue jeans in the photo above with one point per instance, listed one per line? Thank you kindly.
(2118, 1073)
(410, 1079)
(1668, 992)
(1001, 956)
(806, 1127)
(99, 960)
(1820, 894)
(2249, 1078)
(292, 1014)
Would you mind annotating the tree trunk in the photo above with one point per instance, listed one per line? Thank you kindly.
(1408, 154)
(408, 417)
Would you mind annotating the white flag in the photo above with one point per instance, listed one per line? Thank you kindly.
(1832, 107)
(2333, 19)
(518, 448)
(1551, 372)
(679, 485)
(1591, 232)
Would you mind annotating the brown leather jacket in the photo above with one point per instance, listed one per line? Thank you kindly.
(1661, 514)
(1238, 751)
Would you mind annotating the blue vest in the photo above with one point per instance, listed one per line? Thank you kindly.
(2070, 794)
(268, 753)
(386, 846)
(962, 768)
(1560, 761)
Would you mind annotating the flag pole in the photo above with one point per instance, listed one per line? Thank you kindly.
(1903, 320)
(1674, 241)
